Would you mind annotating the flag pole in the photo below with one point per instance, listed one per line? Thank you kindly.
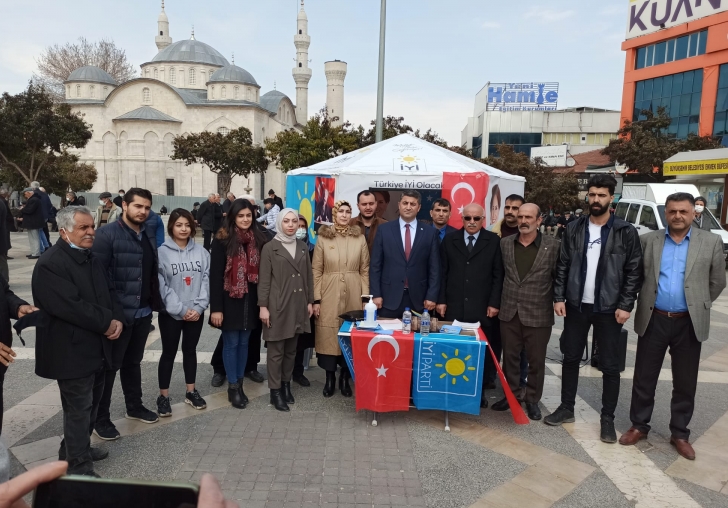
(374, 421)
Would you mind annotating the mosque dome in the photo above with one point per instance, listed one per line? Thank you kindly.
(91, 74)
(191, 51)
(233, 74)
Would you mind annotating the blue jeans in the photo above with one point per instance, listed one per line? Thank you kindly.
(235, 353)
(44, 245)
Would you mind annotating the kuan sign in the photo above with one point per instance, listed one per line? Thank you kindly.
(648, 16)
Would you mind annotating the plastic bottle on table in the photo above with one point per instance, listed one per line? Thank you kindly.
(425, 323)
(407, 321)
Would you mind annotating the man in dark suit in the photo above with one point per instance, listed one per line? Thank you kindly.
(405, 266)
(440, 214)
(472, 274)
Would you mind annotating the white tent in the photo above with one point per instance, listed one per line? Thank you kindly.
(396, 164)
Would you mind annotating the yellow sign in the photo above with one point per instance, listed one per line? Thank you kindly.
(709, 167)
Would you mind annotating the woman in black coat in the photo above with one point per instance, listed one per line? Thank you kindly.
(234, 265)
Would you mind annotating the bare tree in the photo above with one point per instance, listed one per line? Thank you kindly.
(57, 62)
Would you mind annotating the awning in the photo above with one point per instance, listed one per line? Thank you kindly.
(699, 162)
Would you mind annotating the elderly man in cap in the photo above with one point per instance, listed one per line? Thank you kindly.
(107, 211)
(32, 221)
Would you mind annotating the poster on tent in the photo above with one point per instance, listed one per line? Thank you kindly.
(390, 187)
(461, 189)
(325, 193)
(499, 191)
(301, 196)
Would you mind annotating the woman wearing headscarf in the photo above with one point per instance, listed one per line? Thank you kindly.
(340, 277)
(285, 297)
(235, 263)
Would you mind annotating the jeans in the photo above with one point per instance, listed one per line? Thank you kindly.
(34, 241)
(80, 400)
(44, 243)
(218, 366)
(170, 330)
(126, 355)
(606, 332)
(235, 353)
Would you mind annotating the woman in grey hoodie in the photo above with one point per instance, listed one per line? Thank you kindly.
(184, 285)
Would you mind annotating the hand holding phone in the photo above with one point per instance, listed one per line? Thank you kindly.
(12, 491)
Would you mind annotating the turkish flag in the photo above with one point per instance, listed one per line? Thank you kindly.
(383, 367)
(461, 189)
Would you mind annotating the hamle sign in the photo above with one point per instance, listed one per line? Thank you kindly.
(531, 96)
(648, 16)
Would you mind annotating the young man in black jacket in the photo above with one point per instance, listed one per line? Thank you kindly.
(598, 276)
(80, 318)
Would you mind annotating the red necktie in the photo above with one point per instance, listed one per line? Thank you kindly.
(407, 242)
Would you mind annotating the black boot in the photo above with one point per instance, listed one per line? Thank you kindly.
(234, 396)
(330, 385)
(287, 395)
(242, 393)
(276, 398)
(344, 383)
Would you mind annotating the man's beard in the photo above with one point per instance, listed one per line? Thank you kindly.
(133, 220)
(598, 210)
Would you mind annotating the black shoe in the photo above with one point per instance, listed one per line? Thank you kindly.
(533, 411)
(255, 376)
(33, 257)
(96, 454)
(489, 385)
(8, 257)
(276, 398)
(607, 434)
(218, 378)
(286, 391)
(330, 385)
(561, 415)
(501, 405)
(242, 393)
(195, 400)
(302, 380)
(106, 430)
(234, 396)
(344, 384)
(142, 414)
(483, 400)
(164, 408)
(91, 473)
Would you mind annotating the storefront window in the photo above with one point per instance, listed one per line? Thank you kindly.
(680, 94)
(721, 103)
(521, 142)
(674, 49)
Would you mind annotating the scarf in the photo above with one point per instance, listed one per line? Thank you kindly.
(243, 266)
(289, 242)
(340, 230)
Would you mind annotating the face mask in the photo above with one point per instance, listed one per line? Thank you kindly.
(300, 234)
(72, 245)
(102, 202)
(121, 195)
(699, 208)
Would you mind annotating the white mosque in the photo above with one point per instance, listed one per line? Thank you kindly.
(188, 87)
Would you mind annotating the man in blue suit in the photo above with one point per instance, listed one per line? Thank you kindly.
(440, 213)
(405, 265)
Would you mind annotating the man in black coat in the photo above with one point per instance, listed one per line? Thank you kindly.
(33, 220)
(209, 216)
(4, 240)
(472, 274)
(79, 318)
(47, 206)
(11, 306)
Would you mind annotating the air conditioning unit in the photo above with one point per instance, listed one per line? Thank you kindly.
(564, 143)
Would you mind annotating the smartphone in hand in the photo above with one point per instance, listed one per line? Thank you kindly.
(84, 491)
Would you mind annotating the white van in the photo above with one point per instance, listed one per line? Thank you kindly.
(643, 206)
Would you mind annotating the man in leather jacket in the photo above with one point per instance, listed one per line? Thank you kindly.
(598, 277)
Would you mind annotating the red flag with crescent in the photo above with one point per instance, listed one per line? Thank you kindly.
(461, 189)
(383, 367)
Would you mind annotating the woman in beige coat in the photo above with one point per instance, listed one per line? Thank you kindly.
(340, 277)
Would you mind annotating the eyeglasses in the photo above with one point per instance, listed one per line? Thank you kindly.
(469, 218)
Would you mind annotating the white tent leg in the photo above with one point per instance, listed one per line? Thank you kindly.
(447, 422)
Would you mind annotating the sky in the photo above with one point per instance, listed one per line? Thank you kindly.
(439, 53)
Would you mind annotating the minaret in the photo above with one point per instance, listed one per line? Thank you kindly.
(335, 73)
(162, 39)
(301, 72)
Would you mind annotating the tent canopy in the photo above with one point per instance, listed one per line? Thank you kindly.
(402, 154)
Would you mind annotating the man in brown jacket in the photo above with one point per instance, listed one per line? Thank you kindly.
(367, 220)
(526, 315)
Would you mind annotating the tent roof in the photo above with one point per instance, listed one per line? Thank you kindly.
(700, 155)
(386, 157)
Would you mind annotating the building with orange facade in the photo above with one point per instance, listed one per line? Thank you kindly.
(677, 57)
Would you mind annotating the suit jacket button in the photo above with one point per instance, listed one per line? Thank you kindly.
(466, 299)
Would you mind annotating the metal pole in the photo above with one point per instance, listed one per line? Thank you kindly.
(380, 81)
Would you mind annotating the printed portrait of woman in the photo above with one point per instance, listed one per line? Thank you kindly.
(495, 204)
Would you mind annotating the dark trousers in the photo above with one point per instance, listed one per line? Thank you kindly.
(281, 356)
(253, 353)
(207, 236)
(493, 334)
(126, 355)
(170, 330)
(678, 335)
(47, 233)
(3, 370)
(515, 337)
(298, 364)
(606, 332)
(397, 313)
(80, 400)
